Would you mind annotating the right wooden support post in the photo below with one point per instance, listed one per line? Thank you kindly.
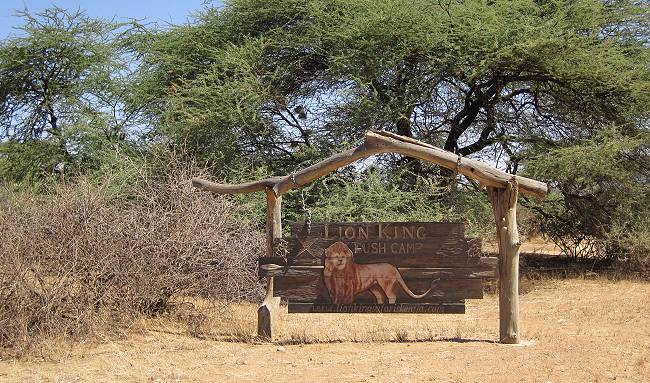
(504, 206)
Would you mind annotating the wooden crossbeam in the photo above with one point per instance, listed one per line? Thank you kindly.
(377, 142)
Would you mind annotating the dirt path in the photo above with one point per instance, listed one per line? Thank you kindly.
(580, 331)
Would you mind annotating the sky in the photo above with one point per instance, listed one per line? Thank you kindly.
(157, 11)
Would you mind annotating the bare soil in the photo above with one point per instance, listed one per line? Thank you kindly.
(530, 245)
(575, 331)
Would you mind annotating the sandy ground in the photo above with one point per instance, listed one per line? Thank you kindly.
(575, 331)
(530, 245)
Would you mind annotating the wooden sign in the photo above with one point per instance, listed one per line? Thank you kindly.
(380, 267)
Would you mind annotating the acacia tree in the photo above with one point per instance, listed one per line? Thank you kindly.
(600, 198)
(60, 91)
(285, 81)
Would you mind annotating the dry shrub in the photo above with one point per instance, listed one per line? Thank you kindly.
(78, 257)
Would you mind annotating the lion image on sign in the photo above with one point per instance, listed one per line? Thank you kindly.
(345, 279)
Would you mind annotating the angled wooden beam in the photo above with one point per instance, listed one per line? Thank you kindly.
(324, 167)
(246, 187)
(377, 142)
(472, 169)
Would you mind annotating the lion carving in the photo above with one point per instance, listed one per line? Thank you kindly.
(345, 279)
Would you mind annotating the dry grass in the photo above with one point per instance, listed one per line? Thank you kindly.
(578, 331)
(78, 260)
(530, 245)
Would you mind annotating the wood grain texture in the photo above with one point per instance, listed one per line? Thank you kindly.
(311, 289)
(379, 263)
(412, 244)
(273, 221)
(504, 206)
(424, 261)
(476, 272)
(247, 187)
(267, 313)
(265, 322)
(396, 230)
(476, 170)
(406, 308)
(377, 142)
(399, 253)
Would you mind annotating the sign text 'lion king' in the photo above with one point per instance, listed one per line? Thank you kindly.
(379, 267)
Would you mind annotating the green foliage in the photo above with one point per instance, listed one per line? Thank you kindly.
(603, 193)
(273, 80)
(28, 161)
(59, 93)
(376, 195)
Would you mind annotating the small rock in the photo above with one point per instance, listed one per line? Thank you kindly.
(244, 362)
(561, 321)
(281, 349)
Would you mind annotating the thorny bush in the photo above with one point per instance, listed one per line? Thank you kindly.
(79, 257)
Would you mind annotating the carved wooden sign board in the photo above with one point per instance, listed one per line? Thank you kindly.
(378, 267)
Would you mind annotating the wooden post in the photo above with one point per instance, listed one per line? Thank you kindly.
(504, 206)
(268, 311)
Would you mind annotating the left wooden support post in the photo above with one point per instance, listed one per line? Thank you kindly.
(268, 311)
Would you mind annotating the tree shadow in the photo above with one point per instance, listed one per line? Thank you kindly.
(252, 339)
(465, 340)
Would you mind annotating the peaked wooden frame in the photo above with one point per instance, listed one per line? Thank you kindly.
(502, 189)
